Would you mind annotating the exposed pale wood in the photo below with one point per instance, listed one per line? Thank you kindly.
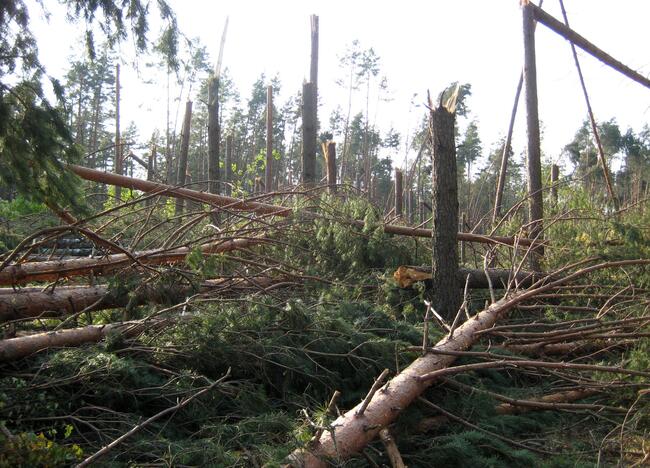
(351, 433)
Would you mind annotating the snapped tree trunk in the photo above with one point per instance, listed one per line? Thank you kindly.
(309, 134)
(214, 136)
(185, 146)
(444, 265)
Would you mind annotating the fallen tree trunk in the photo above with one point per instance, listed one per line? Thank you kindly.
(32, 304)
(13, 349)
(500, 278)
(237, 204)
(57, 269)
(353, 430)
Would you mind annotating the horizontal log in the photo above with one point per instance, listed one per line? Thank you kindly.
(407, 275)
(575, 38)
(57, 269)
(263, 208)
(30, 303)
(178, 192)
(13, 349)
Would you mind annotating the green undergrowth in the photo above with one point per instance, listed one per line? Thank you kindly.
(288, 351)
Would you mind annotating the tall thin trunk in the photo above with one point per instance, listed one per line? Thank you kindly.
(118, 141)
(182, 160)
(214, 139)
(536, 200)
(268, 168)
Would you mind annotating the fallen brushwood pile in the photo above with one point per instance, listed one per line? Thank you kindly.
(300, 309)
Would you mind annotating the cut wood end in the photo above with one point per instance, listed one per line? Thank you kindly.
(405, 276)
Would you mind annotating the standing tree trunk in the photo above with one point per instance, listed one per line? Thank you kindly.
(309, 133)
(447, 298)
(536, 204)
(118, 147)
(329, 149)
(399, 191)
(555, 175)
(228, 165)
(268, 169)
(185, 146)
(214, 137)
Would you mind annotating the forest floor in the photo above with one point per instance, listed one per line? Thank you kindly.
(232, 358)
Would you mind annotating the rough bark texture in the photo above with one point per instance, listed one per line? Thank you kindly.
(228, 165)
(214, 136)
(446, 288)
(555, 175)
(56, 269)
(353, 432)
(268, 169)
(28, 303)
(536, 200)
(263, 208)
(309, 123)
(399, 192)
(178, 192)
(185, 146)
(117, 163)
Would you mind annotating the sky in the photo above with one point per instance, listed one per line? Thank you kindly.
(422, 45)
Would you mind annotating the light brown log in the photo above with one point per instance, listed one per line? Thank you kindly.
(179, 192)
(56, 269)
(350, 432)
(331, 166)
(17, 348)
(266, 209)
(29, 303)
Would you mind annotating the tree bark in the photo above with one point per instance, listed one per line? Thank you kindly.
(56, 269)
(268, 168)
(63, 301)
(536, 200)
(265, 209)
(214, 137)
(399, 192)
(118, 146)
(353, 432)
(228, 165)
(447, 297)
(185, 146)
(309, 123)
